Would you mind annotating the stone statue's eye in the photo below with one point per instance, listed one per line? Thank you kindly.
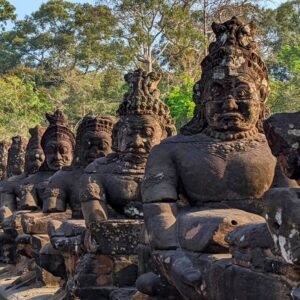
(243, 93)
(149, 132)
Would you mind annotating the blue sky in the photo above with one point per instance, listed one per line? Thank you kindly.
(26, 7)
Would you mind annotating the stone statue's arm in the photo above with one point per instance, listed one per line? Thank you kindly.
(159, 192)
(92, 198)
(54, 196)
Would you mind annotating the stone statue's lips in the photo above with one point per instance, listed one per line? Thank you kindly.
(58, 163)
(231, 116)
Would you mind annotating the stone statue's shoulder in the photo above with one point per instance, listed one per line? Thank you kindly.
(66, 169)
(96, 165)
(182, 139)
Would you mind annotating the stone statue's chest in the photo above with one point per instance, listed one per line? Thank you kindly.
(122, 189)
(229, 171)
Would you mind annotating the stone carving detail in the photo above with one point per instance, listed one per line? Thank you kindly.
(209, 181)
(4, 146)
(16, 156)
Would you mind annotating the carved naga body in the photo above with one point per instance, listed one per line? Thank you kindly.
(201, 184)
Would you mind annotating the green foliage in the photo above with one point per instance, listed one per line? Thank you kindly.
(21, 106)
(7, 12)
(180, 101)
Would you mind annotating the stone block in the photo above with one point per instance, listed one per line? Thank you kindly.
(117, 236)
(37, 222)
(66, 228)
(206, 230)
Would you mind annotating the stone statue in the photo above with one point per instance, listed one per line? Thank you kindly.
(16, 156)
(4, 146)
(34, 158)
(58, 144)
(205, 182)
(115, 180)
(110, 195)
(93, 140)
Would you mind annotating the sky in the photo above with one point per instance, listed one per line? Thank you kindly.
(26, 7)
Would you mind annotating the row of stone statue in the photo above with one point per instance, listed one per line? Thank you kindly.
(207, 215)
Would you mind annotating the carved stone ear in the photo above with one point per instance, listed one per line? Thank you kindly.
(252, 27)
(171, 130)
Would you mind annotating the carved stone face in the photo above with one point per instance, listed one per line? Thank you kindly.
(232, 104)
(94, 145)
(138, 134)
(34, 159)
(58, 154)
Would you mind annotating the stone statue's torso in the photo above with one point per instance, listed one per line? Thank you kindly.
(120, 184)
(211, 170)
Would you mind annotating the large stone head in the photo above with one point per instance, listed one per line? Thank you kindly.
(34, 156)
(4, 146)
(232, 92)
(16, 156)
(58, 142)
(93, 138)
(144, 119)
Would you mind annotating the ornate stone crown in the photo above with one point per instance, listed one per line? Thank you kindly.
(57, 129)
(142, 97)
(234, 54)
(95, 123)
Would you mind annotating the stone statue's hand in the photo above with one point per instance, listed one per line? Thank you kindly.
(184, 270)
(181, 271)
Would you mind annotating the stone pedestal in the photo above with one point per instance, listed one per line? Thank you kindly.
(110, 271)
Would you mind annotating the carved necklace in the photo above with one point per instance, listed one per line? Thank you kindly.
(228, 143)
(224, 136)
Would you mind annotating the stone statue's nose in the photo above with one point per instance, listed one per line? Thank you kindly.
(137, 139)
(230, 104)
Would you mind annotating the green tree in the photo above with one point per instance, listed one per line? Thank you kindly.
(180, 101)
(21, 106)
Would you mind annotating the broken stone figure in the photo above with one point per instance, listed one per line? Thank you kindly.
(16, 156)
(205, 186)
(283, 204)
(4, 146)
(110, 195)
(93, 140)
